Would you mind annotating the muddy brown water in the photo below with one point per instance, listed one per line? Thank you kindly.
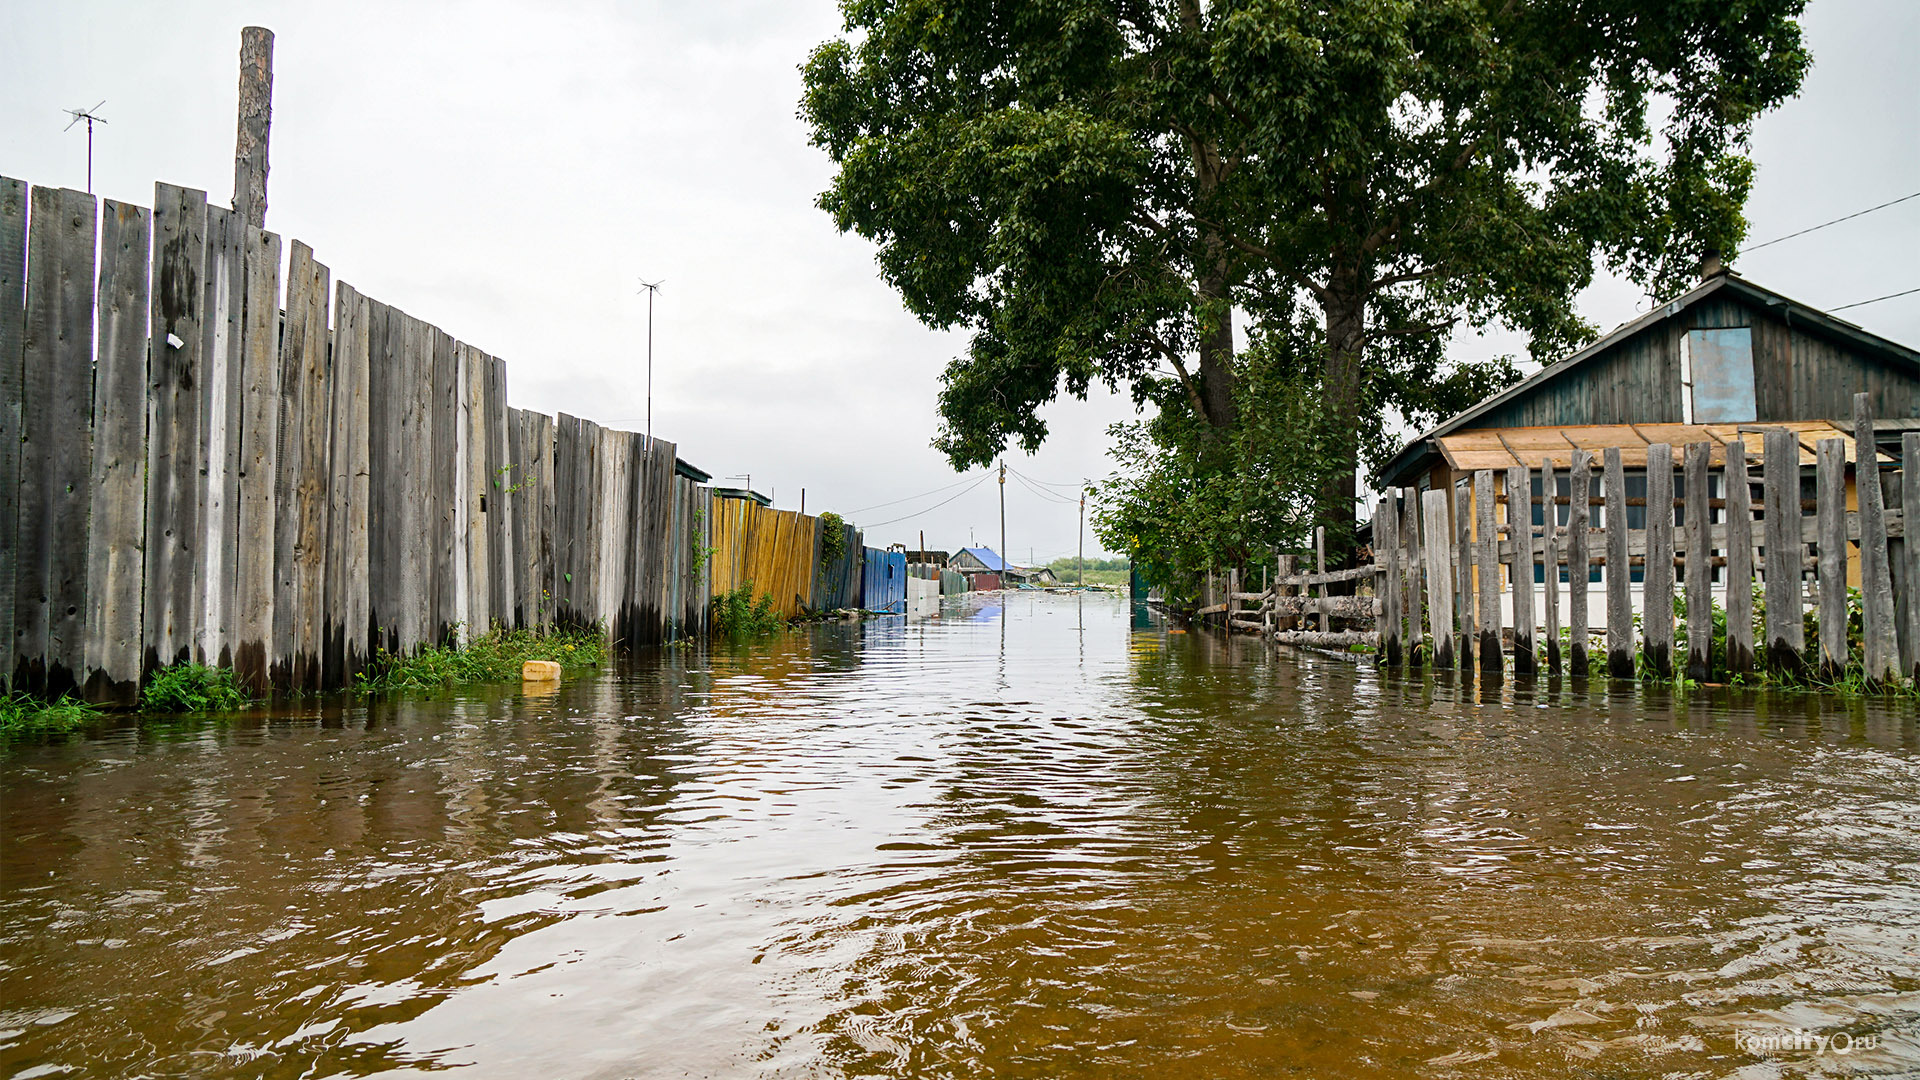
(1037, 837)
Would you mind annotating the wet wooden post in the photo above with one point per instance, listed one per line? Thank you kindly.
(1619, 570)
(300, 494)
(1579, 562)
(1324, 621)
(1439, 574)
(1386, 544)
(13, 315)
(1909, 510)
(116, 567)
(1830, 533)
(1739, 560)
(1695, 510)
(1487, 563)
(1520, 567)
(1897, 571)
(258, 444)
(1656, 598)
(176, 452)
(256, 118)
(1410, 543)
(1786, 637)
(1550, 541)
(1881, 653)
(347, 617)
(1463, 576)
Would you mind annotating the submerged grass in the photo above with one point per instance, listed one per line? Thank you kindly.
(22, 715)
(194, 688)
(492, 657)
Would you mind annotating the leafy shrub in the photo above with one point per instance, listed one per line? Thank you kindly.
(739, 614)
(492, 657)
(22, 715)
(194, 688)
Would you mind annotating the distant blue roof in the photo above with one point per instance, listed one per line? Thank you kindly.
(987, 558)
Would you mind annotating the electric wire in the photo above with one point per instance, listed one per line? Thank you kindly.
(1875, 300)
(1042, 492)
(895, 502)
(981, 480)
(1047, 483)
(1835, 221)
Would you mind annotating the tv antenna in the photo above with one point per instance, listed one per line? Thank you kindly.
(89, 115)
(650, 288)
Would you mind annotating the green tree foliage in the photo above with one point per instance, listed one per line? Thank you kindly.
(1093, 188)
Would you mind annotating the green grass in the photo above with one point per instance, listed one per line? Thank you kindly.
(194, 688)
(493, 657)
(21, 715)
(740, 614)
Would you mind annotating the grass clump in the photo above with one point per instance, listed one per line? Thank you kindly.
(740, 614)
(194, 688)
(495, 656)
(23, 715)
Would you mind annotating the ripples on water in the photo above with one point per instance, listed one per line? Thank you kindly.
(1040, 840)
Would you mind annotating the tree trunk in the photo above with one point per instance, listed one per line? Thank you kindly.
(1345, 308)
(1212, 269)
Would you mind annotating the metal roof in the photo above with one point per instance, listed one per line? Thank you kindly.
(988, 559)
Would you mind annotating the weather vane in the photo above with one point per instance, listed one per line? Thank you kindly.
(89, 115)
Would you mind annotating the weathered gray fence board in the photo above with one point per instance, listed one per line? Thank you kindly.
(1739, 570)
(1520, 566)
(1550, 552)
(176, 453)
(347, 616)
(1410, 542)
(1699, 566)
(1910, 504)
(1786, 640)
(1830, 485)
(253, 557)
(116, 567)
(1487, 563)
(1463, 598)
(447, 500)
(506, 478)
(416, 589)
(217, 490)
(1880, 653)
(477, 484)
(1439, 575)
(386, 409)
(1656, 598)
(1386, 542)
(539, 559)
(1618, 578)
(1579, 563)
(519, 515)
(13, 329)
(56, 440)
(304, 475)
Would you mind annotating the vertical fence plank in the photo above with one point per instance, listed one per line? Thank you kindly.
(1410, 553)
(384, 413)
(1619, 571)
(1897, 571)
(1656, 597)
(1786, 638)
(1830, 532)
(537, 558)
(1520, 567)
(417, 513)
(477, 483)
(253, 599)
(1579, 563)
(447, 500)
(468, 498)
(1880, 654)
(56, 449)
(520, 451)
(1439, 568)
(1739, 560)
(348, 619)
(507, 481)
(300, 532)
(218, 490)
(1694, 510)
(1386, 540)
(1463, 599)
(116, 567)
(1909, 512)
(13, 329)
(176, 382)
(1487, 562)
(1550, 542)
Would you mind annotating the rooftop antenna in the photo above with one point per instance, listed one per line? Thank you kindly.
(651, 288)
(89, 116)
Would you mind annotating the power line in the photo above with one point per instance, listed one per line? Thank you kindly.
(1048, 483)
(981, 480)
(910, 498)
(1875, 300)
(1835, 221)
(1042, 492)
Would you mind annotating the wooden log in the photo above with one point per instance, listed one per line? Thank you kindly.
(508, 482)
(1786, 640)
(1411, 582)
(1386, 543)
(1438, 565)
(1619, 576)
(13, 329)
(449, 552)
(1550, 549)
(1910, 503)
(1579, 564)
(253, 556)
(1830, 482)
(1323, 639)
(1342, 607)
(1739, 569)
(176, 451)
(348, 619)
(1520, 566)
(256, 119)
(116, 563)
(304, 468)
(1699, 580)
(1487, 564)
(1879, 646)
(56, 449)
(1463, 565)
(1656, 597)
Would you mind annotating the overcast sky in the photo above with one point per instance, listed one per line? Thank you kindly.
(509, 173)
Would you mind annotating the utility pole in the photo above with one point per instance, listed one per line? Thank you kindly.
(1080, 560)
(91, 117)
(652, 288)
(1003, 523)
(256, 117)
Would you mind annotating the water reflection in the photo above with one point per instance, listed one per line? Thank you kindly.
(1034, 836)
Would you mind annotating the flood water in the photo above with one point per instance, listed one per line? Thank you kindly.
(1040, 836)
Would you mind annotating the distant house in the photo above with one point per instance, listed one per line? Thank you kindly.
(980, 560)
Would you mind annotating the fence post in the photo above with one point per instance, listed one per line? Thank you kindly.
(1386, 548)
(1463, 577)
(1550, 539)
(1520, 567)
(13, 314)
(1656, 597)
(1739, 559)
(1786, 637)
(1831, 536)
(1579, 562)
(1909, 511)
(1695, 512)
(1876, 580)
(1619, 570)
(1439, 573)
(1487, 560)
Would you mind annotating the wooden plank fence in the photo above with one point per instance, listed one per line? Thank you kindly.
(286, 477)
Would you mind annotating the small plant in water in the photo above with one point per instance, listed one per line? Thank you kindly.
(23, 715)
(194, 688)
(495, 656)
(740, 614)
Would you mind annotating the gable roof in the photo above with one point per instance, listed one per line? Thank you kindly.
(987, 558)
(1731, 283)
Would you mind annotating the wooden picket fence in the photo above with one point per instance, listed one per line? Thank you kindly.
(198, 463)
(1455, 570)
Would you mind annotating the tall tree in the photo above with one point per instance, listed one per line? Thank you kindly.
(1096, 187)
